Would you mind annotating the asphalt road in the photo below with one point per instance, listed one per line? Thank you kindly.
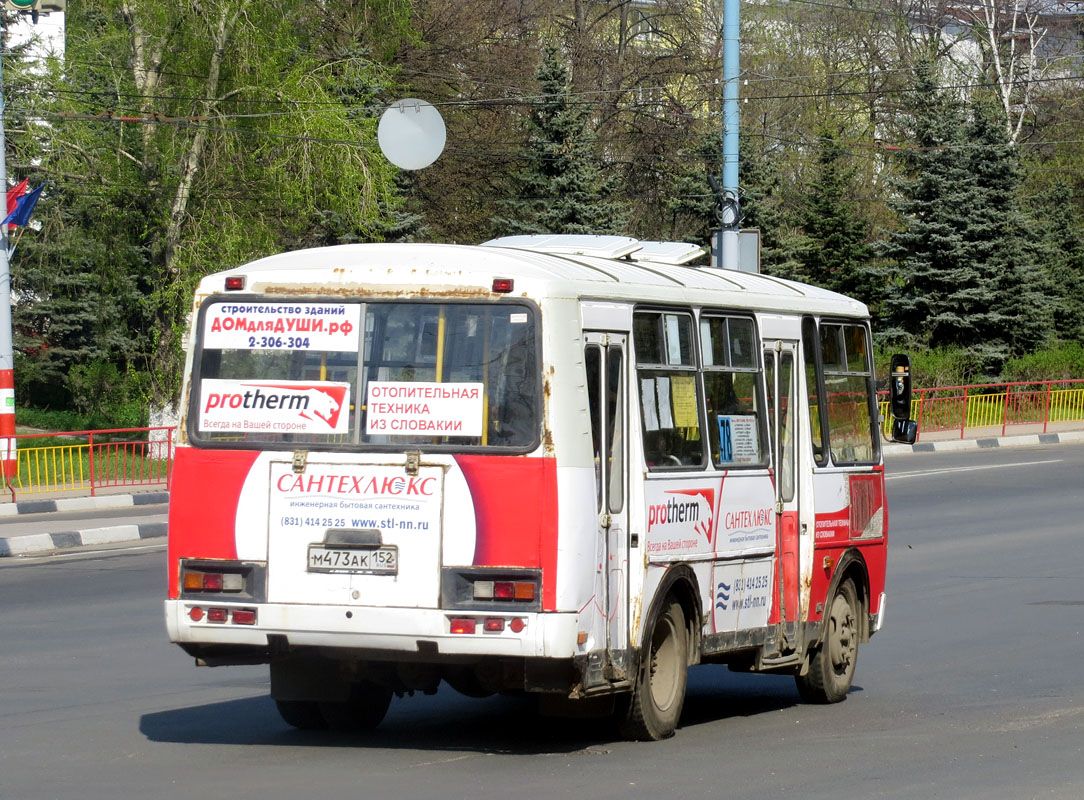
(972, 690)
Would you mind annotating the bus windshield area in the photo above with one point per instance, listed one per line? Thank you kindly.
(390, 375)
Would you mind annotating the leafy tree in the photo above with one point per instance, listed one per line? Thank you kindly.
(563, 188)
(185, 138)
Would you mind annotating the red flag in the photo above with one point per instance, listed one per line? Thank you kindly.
(14, 193)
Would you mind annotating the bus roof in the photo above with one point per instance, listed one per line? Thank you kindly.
(446, 270)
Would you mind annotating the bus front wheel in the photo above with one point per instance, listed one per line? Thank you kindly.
(832, 664)
(653, 710)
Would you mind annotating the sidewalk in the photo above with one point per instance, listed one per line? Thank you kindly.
(59, 534)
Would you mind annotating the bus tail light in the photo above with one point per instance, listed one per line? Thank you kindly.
(492, 589)
(243, 616)
(200, 581)
(463, 625)
(199, 578)
(515, 591)
(217, 614)
(493, 624)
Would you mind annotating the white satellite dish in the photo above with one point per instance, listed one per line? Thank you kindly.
(411, 134)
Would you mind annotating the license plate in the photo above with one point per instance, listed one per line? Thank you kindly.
(360, 561)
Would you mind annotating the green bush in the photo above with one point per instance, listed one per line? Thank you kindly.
(108, 397)
(101, 397)
(53, 420)
(958, 367)
(933, 368)
(1063, 362)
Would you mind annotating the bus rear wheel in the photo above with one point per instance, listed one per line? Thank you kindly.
(363, 711)
(302, 714)
(653, 710)
(832, 664)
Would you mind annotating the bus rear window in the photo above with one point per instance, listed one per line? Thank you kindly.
(389, 374)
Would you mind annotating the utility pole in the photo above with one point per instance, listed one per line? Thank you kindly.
(7, 358)
(730, 210)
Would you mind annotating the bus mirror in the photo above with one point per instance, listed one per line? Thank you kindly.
(900, 387)
(904, 429)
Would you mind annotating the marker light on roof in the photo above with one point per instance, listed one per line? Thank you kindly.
(502, 285)
(235, 282)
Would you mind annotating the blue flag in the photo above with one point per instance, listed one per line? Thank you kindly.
(26, 203)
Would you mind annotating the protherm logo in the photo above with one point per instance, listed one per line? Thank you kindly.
(684, 510)
(283, 407)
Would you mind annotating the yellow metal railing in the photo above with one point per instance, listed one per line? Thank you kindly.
(993, 405)
(91, 460)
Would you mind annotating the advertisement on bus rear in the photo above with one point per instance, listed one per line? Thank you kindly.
(274, 406)
(322, 327)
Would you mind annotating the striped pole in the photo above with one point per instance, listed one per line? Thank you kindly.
(7, 424)
(7, 359)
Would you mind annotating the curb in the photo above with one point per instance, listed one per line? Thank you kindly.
(83, 503)
(42, 543)
(1028, 440)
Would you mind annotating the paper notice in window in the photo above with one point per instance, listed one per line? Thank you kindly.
(647, 402)
(666, 417)
(684, 393)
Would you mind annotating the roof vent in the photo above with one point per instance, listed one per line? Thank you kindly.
(570, 245)
(675, 253)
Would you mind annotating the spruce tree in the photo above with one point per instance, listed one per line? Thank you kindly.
(834, 248)
(563, 188)
(1059, 247)
(1018, 313)
(762, 208)
(937, 295)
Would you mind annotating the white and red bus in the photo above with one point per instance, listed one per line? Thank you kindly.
(563, 465)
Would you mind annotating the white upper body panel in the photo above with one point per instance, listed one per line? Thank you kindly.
(439, 270)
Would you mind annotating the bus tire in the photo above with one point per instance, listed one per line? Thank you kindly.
(363, 711)
(302, 714)
(653, 710)
(832, 664)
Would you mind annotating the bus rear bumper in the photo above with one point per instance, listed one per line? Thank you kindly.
(390, 630)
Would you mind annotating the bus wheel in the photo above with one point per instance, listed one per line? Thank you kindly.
(364, 710)
(302, 714)
(831, 665)
(655, 706)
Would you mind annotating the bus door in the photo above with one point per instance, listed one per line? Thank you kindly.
(604, 356)
(779, 361)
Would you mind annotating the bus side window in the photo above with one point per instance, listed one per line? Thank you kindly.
(811, 351)
(667, 386)
(593, 362)
(848, 390)
(731, 391)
